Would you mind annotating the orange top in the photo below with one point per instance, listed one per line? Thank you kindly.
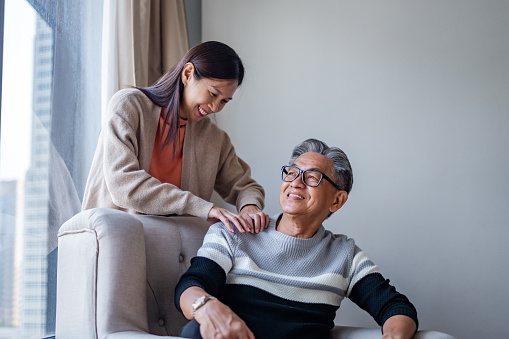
(163, 166)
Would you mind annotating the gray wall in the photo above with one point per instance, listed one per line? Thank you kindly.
(193, 21)
(417, 94)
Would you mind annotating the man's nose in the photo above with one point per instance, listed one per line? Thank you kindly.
(298, 182)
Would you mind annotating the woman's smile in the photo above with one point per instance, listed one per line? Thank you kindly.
(202, 112)
(205, 96)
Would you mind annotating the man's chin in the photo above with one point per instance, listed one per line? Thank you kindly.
(291, 212)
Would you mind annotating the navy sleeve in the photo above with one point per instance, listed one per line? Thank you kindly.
(374, 294)
(204, 273)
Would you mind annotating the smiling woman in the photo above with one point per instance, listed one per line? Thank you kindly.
(160, 154)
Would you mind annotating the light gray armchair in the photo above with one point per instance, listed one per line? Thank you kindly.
(117, 273)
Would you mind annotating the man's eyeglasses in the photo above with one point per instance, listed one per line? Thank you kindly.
(311, 178)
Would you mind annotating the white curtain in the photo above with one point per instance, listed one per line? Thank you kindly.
(142, 39)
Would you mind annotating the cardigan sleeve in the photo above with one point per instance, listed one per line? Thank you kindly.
(234, 182)
(130, 186)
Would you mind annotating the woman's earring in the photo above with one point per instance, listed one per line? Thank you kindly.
(184, 84)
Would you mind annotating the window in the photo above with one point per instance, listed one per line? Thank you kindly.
(50, 120)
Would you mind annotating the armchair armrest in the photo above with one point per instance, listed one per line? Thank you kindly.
(99, 251)
(348, 332)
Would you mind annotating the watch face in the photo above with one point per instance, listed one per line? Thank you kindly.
(199, 301)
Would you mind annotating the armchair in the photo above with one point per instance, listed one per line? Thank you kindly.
(117, 273)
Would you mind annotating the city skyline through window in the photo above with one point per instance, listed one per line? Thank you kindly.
(50, 96)
(26, 109)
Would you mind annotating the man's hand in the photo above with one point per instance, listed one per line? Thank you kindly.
(255, 217)
(399, 327)
(221, 214)
(218, 321)
(215, 318)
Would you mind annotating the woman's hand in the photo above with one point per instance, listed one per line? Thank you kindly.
(221, 214)
(255, 217)
(218, 321)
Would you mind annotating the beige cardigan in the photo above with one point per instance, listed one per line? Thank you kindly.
(119, 174)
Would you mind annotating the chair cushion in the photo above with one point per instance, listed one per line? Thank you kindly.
(170, 243)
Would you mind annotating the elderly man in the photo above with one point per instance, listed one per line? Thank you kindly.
(288, 281)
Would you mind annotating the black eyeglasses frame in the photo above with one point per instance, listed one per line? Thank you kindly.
(284, 172)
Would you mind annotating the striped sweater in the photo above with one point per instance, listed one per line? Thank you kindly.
(287, 287)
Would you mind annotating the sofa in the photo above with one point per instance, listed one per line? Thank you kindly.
(117, 273)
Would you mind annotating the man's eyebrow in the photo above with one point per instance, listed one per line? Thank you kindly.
(313, 169)
(218, 91)
(308, 169)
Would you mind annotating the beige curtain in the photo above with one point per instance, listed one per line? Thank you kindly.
(142, 39)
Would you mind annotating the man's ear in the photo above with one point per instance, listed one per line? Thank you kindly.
(339, 200)
(187, 72)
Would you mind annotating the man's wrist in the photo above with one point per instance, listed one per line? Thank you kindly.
(200, 301)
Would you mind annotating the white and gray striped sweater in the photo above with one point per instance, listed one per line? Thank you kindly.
(290, 285)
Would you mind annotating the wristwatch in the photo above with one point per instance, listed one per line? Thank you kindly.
(200, 302)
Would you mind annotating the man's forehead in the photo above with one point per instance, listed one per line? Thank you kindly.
(313, 160)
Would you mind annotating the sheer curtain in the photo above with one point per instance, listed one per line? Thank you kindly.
(66, 109)
(142, 39)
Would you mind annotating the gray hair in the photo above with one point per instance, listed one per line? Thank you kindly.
(342, 171)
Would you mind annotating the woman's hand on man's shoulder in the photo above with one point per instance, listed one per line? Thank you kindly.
(255, 217)
(250, 219)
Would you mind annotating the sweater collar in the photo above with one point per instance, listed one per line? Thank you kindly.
(289, 241)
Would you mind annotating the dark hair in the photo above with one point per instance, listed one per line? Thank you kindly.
(342, 171)
(211, 60)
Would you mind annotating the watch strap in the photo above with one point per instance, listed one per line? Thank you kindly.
(200, 302)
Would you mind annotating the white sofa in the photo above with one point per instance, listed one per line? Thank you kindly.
(117, 273)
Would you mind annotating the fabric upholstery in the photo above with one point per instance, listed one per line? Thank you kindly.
(347, 332)
(117, 274)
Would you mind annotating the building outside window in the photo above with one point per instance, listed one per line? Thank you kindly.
(50, 120)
